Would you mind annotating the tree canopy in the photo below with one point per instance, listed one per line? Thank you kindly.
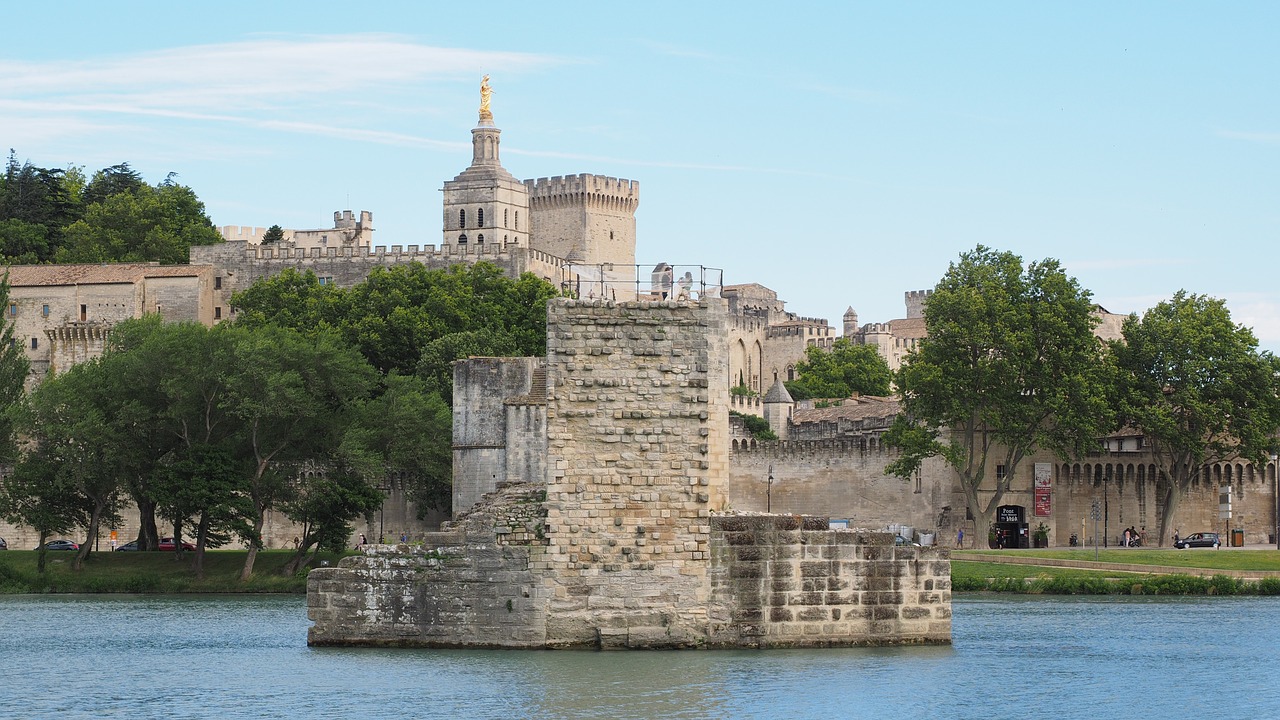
(840, 372)
(1195, 385)
(49, 215)
(1010, 365)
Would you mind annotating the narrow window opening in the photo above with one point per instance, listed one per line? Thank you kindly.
(217, 313)
(480, 238)
(480, 217)
(84, 312)
(35, 343)
(462, 219)
(217, 283)
(462, 239)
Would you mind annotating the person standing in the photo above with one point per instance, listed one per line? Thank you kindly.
(960, 538)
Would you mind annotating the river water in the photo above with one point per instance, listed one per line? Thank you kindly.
(1013, 657)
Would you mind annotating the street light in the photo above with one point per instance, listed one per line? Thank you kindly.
(1275, 484)
(768, 491)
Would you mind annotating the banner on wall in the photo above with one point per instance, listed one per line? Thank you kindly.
(1044, 489)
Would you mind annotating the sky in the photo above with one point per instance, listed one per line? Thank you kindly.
(840, 154)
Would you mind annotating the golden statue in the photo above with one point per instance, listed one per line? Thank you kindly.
(486, 94)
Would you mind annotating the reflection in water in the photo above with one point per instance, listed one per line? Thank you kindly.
(246, 657)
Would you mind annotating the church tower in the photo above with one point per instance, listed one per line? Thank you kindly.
(485, 204)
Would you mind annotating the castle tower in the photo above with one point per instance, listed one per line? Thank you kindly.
(590, 218)
(916, 300)
(485, 204)
(778, 405)
(850, 323)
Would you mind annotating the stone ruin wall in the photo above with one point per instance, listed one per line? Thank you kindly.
(637, 457)
(630, 548)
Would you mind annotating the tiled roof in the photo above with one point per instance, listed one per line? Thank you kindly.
(866, 406)
(908, 328)
(49, 275)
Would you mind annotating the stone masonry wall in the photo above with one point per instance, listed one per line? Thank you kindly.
(637, 414)
(789, 581)
(472, 585)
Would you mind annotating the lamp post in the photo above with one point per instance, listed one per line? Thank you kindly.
(1106, 507)
(1275, 484)
(768, 491)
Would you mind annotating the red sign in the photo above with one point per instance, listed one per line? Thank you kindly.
(1044, 489)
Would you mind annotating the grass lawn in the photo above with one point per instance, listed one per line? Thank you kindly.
(150, 572)
(1225, 559)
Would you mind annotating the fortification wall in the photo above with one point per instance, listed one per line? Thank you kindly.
(843, 479)
(238, 265)
(482, 388)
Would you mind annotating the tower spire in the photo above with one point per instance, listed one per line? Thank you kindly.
(485, 136)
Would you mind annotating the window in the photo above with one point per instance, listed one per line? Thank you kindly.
(13, 309)
(35, 343)
(217, 313)
(45, 311)
(1000, 473)
(480, 217)
(462, 239)
(462, 219)
(84, 312)
(217, 283)
(504, 216)
(325, 280)
(517, 219)
(480, 238)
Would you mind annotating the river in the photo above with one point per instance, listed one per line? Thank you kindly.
(1013, 657)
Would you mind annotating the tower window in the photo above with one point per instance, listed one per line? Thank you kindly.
(517, 219)
(480, 217)
(84, 312)
(504, 216)
(462, 239)
(462, 219)
(35, 343)
(217, 313)
(13, 309)
(480, 238)
(217, 283)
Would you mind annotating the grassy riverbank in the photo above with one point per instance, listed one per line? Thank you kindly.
(1119, 572)
(150, 572)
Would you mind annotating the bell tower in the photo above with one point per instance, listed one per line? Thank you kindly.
(485, 205)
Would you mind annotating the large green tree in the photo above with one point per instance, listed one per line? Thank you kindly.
(1195, 385)
(150, 223)
(1010, 366)
(840, 372)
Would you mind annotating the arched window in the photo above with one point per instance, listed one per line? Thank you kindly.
(462, 219)
(504, 216)
(480, 238)
(462, 239)
(517, 219)
(480, 217)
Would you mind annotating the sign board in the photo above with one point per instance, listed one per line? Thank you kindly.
(1009, 514)
(1044, 489)
(1224, 502)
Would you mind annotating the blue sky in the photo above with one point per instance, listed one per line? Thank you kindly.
(838, 153)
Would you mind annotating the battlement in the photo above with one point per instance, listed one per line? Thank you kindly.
(400, 252)
(615, 194)
(835, 449)
(241, 233)
(915, 300)
(345, 219)
(876, 329)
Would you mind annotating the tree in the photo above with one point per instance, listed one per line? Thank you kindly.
(291, 396)
(13, 376)
(403, 436)
(324, 504)
(150, 223)
(840, 372)
(1010, 365)
(1195, 385)
(31, 495)
(115, 180)
(274, 234)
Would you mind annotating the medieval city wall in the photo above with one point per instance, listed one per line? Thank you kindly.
(237, 265)
(843, 479)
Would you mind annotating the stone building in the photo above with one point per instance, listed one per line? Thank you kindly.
(347, 232)
(62, 313)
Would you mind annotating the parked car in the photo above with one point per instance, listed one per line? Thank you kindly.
(3, 545)
(60, 545)
(167, 544)
(128, 547)
(1207, 539)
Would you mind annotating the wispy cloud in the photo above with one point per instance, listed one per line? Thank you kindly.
(1263, 138)
(1107, 264)
(263, 82)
